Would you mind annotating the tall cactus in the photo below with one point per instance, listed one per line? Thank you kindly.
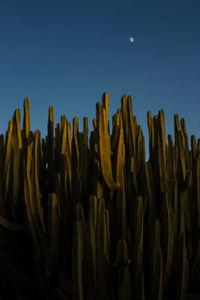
(167, 237)
(78, 252)
(77, 260)
(137, 253)
(54, 232)
(17, 165)
(104, 147)
(182, 268)
(26, 120)
(91, 250)
(103, 267)
(156, 264)
(123, 274)
(7, 161)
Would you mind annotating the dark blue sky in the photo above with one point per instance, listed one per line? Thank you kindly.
(68, 53)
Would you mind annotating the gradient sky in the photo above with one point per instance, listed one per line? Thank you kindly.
(68, 53)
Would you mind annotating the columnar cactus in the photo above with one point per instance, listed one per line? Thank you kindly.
(99, 222)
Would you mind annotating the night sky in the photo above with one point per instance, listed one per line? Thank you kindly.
(68, 53)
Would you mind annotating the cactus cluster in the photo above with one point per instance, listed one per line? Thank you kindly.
(100, 222)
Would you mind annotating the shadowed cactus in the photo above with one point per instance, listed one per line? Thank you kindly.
(123, 274)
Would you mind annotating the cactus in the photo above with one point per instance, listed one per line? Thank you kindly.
(137, 253)
(76, 185)
(103, 268)
(156, 264)
(77, 261)
(122, 263)
(26, 121)
(53, 232)
(104, 148)
(7, 162)
(99, 222)
(182, 268)
(167, 237)
(90, 279)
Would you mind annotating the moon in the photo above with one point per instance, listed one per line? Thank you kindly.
(131, 39)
